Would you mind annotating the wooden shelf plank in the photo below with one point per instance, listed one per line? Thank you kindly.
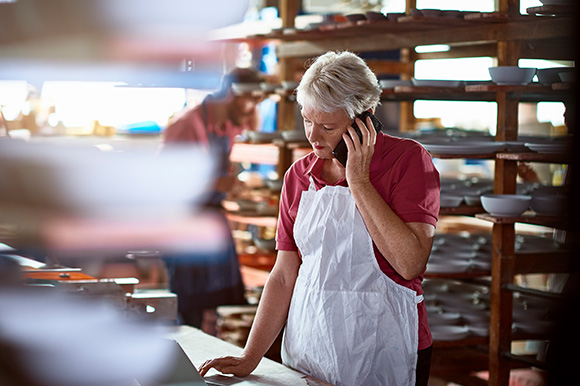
(479, 32)
(462, 210)
(543, 262)
(554, 158)
(548, 221)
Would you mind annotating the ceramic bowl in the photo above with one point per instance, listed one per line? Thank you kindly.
(394, 16)
(355, 17)
(472, 199)
(505, 205)
(513, 75)
(567, 76)
(430, 12)
(450, 200)
(375, 16)
(548, 205)
(552, 75)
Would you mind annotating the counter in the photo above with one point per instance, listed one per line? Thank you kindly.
(200, 346)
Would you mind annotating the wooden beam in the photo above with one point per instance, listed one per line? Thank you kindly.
(390, 67)
(502, 269)
(479, 33)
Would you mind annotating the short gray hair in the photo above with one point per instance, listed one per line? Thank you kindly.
(339, 80)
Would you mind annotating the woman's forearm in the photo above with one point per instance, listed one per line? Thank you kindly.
(406, 246)
(273, 307)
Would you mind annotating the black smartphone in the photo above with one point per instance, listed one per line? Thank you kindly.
(341, 151)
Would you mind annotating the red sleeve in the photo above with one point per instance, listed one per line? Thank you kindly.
(414, 195)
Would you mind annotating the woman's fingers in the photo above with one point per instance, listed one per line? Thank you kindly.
(226, 365)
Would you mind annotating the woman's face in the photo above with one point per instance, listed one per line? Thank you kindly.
(324, 130)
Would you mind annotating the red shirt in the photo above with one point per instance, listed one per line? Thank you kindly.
(403, 174)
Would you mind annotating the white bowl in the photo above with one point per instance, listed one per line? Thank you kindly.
(512, 74)
(505, 205)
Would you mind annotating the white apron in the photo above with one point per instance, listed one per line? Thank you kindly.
(349, 323)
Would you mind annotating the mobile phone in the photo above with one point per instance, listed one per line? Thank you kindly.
(341, 151)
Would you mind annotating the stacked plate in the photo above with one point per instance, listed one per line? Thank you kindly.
(456, 310)
(551, 148)
(436, 83)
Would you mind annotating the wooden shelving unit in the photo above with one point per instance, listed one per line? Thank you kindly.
(545, 33)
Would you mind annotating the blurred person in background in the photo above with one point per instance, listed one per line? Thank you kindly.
(353, 242)
(203, 282)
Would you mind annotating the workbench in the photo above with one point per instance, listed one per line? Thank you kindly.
(200, 347)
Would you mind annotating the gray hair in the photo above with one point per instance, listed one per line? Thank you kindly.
(339, 80)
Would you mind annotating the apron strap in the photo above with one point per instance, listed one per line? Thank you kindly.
(419, 298)
(311, 187)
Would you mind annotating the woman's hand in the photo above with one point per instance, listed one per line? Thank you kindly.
(360, 154)
(239, 366)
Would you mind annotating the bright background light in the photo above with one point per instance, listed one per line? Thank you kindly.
(78, 104)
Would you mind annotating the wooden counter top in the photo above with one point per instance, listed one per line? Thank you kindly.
(200, 346)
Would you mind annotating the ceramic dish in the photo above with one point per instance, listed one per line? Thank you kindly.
(436, 83)
(450, 200)
(472, 199)
(289, 85)
(512, 75)
(452, 266)
(479, 329)
(548, 147)
(261, 137)
(375, 16)
(294, 136)
(443, 318)
(556, 2)
(465, 148)
(505, 205)
(548, 205)
(449, 332)
(552, 75)
(392, 83)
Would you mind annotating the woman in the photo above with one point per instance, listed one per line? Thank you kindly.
(353, 243)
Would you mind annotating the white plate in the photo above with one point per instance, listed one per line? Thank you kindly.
(436, 83)
(548, 147)
(449, 332)
(464, 148)
(452, 266)
(479, 329)
(445, 318)
(450, 200)
(556, 2)
(392, 83)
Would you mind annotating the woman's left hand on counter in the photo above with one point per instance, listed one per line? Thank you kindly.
(238, 366)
